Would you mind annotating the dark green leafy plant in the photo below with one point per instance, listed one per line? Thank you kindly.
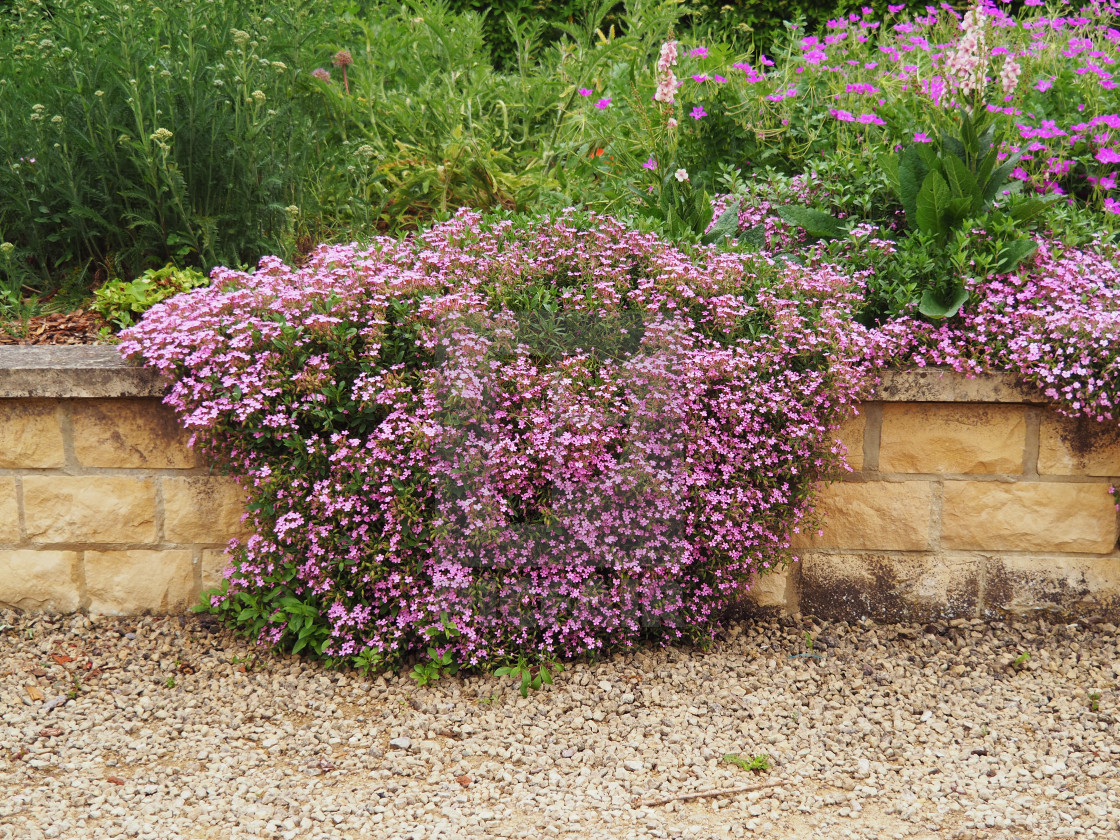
(529, 676)
(122, 302)
(947, 188)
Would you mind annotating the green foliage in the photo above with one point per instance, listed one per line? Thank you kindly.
(122, 303)
(529, 676)
(756, 764)
(761, 24)
(137, 133)
(439, 664)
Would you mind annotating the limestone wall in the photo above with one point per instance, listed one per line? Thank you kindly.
(968, 498)
(102, 505)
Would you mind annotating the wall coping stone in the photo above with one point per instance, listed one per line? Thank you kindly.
(97, 370)
(79, 370)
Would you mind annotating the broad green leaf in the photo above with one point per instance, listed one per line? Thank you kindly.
(963, 183)
(726, 225)
(933, 206)
(938, 306)
(1024, 211)
(815, 222)
(911, 172)
(952, 145)
(999, 176)
(1014, 253)
(889, 164)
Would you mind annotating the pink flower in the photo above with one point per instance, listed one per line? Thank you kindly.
(702, 78)
(1108, 156)
(321, 74)
(1111, 205)
(699, 52)
(342, 58)
(650, 164)
(922, 137)
(671, 122)
(698, 112)
(603, 103)
(681, 175)
(585, 91)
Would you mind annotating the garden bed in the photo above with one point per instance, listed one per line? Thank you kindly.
(968, 498)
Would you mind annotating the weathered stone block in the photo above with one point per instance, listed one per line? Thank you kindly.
(128, 434)
(202, 509)
(910, 587)
(214, 562)
(1081, 446)
(948, 438)
(30, 435)
(875, 515)
(1063, 587)
(93, 509)
(1022, 516)
(777, 588)
(9, 511)
(38, 580)
(127, 582)
(851, 434)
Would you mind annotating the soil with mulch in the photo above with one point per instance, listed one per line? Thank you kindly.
(77, 327)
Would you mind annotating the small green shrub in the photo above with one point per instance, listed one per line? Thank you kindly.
(122, 302)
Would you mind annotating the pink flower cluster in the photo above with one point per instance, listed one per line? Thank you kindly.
(667, 83)
(564, 435)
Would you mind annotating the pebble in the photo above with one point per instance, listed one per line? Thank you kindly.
(899, 731)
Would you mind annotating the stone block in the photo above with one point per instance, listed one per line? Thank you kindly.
(30, 436)
(776, 588)
(129, 582)
(873, 515)
(214, 562)
(1061, 587)
(202, 509)
(9, 511)
(889, 587)
(89, 510)
(851, 434)
(1077, 446)
(950, 438)
(38, 580)
(1022, 516)
(128, 434)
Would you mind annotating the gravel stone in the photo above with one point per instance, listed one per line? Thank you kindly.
(173, 728)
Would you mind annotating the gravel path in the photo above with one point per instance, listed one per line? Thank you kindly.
(896, 731)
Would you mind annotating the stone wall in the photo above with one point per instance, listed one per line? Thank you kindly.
(102, 505)
(967, 498)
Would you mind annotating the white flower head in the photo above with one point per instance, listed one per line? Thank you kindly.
(681, 175)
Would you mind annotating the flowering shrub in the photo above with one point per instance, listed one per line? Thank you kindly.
(555, 437)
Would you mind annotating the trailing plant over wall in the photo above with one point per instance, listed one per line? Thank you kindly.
(507, 437)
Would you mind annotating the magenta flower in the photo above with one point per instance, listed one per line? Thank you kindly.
(585, 91)
(1108, 156)
(1111, 205)
(650, 164)
(700, 78)
(922, 137)
(699, 52)
(698, 112)
(603, 103)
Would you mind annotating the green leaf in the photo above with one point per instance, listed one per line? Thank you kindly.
(911, 172)
(504, 671)
(1024, 211)
(815, 222)
(726, 225)
(963, 183)
(953, 145)
(999, 177)
(1014, 253)
(933, 206)
(889, 165)
(934, 305)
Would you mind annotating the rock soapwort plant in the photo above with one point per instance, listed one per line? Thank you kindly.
(507, 438)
